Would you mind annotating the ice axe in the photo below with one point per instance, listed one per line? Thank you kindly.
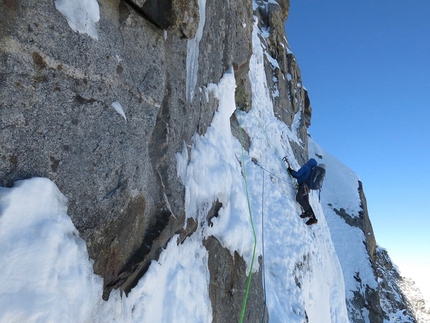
(286, 160)
(289, 166)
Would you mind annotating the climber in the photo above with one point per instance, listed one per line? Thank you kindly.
(307, 179)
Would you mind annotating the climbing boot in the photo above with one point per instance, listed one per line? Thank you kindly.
(312, 220)
(306, 214)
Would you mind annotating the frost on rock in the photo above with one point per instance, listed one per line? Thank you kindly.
(81, 15)
(272, 61)
(118, 108)
(193, 54)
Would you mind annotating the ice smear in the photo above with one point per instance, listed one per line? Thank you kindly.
(193, 54)
(118, 108)
(272, 61)
(81, 15)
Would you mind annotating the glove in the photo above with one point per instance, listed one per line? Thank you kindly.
(289, 170)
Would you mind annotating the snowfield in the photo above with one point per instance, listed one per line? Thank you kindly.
(309, 271)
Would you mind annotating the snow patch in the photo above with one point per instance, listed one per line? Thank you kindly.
(46, 273)
(174, 289)
(118, 108)
(48, 276)
(272, 61)
(81, 15)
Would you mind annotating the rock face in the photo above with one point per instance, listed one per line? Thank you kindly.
(397, 293)
(283, 73)
(228, 286)
(178, 16)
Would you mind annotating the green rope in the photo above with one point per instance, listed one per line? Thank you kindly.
(245, 299)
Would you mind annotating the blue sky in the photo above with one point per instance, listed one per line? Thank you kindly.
(366, 65)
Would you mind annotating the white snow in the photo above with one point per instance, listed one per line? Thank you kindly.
(81, 15)
(215, 158)
(44, 265)
(265, 32)
(118, 108)
(272, 61)
(47, 276)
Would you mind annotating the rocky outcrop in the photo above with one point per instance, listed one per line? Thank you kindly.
(415, 300)
(178, 16)
(290, 98)
(393, 298)
(228, 286)
(367, 225)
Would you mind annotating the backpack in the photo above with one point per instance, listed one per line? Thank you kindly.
(316, 179)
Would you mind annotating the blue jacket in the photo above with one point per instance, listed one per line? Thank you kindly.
(303, 174)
